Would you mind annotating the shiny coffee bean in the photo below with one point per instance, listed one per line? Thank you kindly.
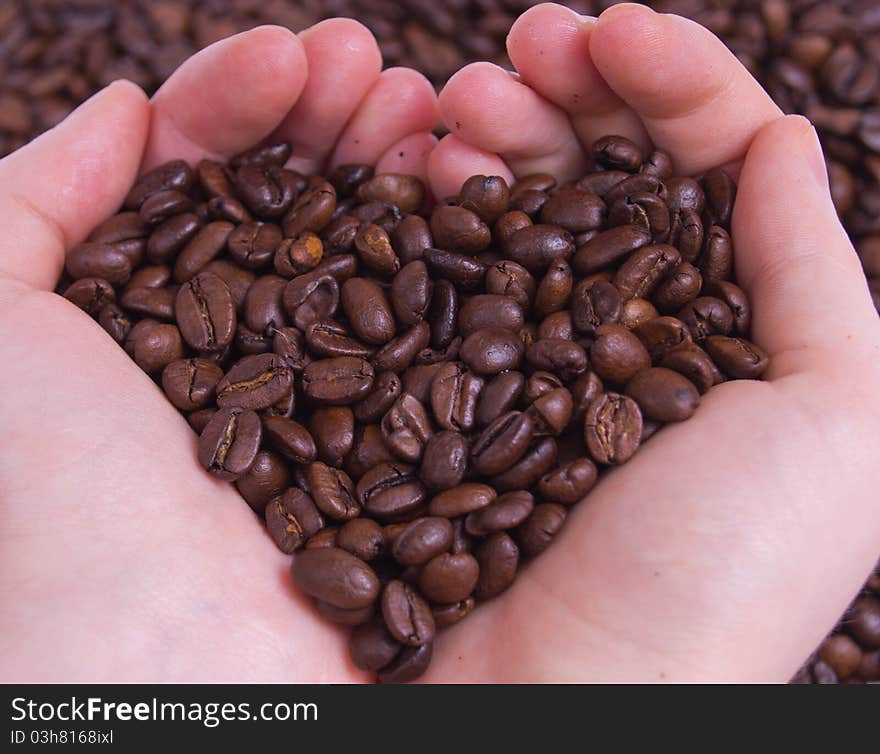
(444, 461)
(421, 540)
(255, 382)
(291, 519)
(506, 512)
(390, 489)
(663, 395)
(502, 443)
(512, 280)
(536, 533)
(335, 576)
(617, 153)
(462, 270)
(404, 191)
(400, 352)
(368, 311)
(498, 396)
(449, 578)
(371, 646)
(202, 248)
(229, 443)
(681, 287)
(332, 491)
(612, 428)
(487, 196)
(406, 428)
(409, 664)
(707, 316)
(368, 450)
(362, 537)
(407, 616)
(563, 357)
(461, 500)
(449, 615)
(459, 229)
(411, 292)
(338, 381)
(535, 247)
(609, 247)
(736, 357)
(661, 335)
(190, 384)
(267, 478)
(310, 297)
(498, 558)
(640, 274)
(489, 310)
(491, 350)
(252, 245)
(617, 355)
(205, 313)
(569, 483)
(332, 428)
(454, 394)
(693, 362)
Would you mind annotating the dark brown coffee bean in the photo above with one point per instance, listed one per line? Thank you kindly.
(323, 539)
(574, 209)
(449, 578)
(310, 297)
(617, 355)
(205, 312)
(736, 299)
(569, 483)
(636, 312)
(373, 246)
(502, 443)
(535, 247)
(583, 390)
(464, 271)
(268, 190)
(411, 292)
(170, 175)
(720, 193)
(252, 245)
(489, 310)
(684, 193)
(404, 191)
(171, 236)
(551, 412)
(417, 381)
(409, 664)
(507, 278)
(385, 390)
(407, 616)
(362, 537)
(267, 478)
(332, 491)
(335, 576)
(287, 344)
(326, 337)
(594, 304)
(536, 533)
(842, 654)
(90, 294)
(99, 260)
(420, 541)
(449, 615)
(267, 154)
(368, 311)
(399, 353)
(506, 512)
(460, 500)
(237, 280)
(498, 558)
(164, 204)
(289, 438)
(406, 428)
(372, 647)
(311, 211)
(332, 428)
(411, 237)
(609, 247)
(707, 316)
(663, 395)
(617, 153)
(229, 209)
(612, 428)
(230, 442)
(863, 621)
(190, 383)
(459, 229)
(661, 335)
(554, 289)
(198, 420)
(736, 357)
(640, 274)
(488, 197)
(681, 287)
(694, 363)
(658, 163)
(686, 233)
(155, 345)
(338, 381)
(149, 302)
(563, 357)
(368, 450)
(344, 617)
(498, 396)
(491, 350)
(291, 518)
(116, 322)
(444, 461)
(204, 246)
(255, 382)
(539, 384)
(120, 227)
(390, 489)
(264, 310)
(716, 263)
(454, 394)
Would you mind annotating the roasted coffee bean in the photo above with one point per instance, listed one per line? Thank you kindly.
(332, 428)
(716, 263)
(554, 289)
(612, 428)
(464, 271)
(264, 304)
(595, 304)
(636, 312)
(556, 325)
(684, 193)
(361, 537)
(564, 357)
(230, 442)
(170, 175)
(404, 191)
(287, 344)
(198, 420)
(291, 519)
(536, 533)
(583, 390)
(374, 248)
(487, 196)
(310, 297)
(736, 357)
(694, 363)
(686, 233)
(311, 211)
(643, 209)
(289, 438)
(540, 383)
(530, 201)
(162, 205)
(407, 616)
(268, 154)
(617, 153)
(449, 615)
(326, 337)
(205, 313)
(268, 190)
(171, 236)
(551, 412)
(372, 647)
(498, 396)
(663, 395)
(506, 512)
(338, 237)
(491, 350)
(429, 356)
(390, 489)
(90, 294)
(398, 354)
(489, 310)
(720, 193)
(449, 578)
(368, 450)
(409, 664)
(99, 260)
(252, 245)
(410, 238)
(190, 384)
(443, 314)
(498, 558)
(459, 229)
(332, 491)
(237, 280)
(661, 335)
(154, 345)
(406, 428)
(417, 381)
(120, 227)
(681, 287)
(707, 316)
(227, 208)
(338, 381)
(842, 654)
(454, 394)
(201, 249)
(347, 178)
(255, 382)
(385, 390)
(658, 163)
(574, 209)
(736, 300)
(149, 302)
(444, 461)
(569, 483)
(335, 576)
(323, 539)
(344, 617)
(863, 621)
(267, 478)
(411, 292)
(502, 443)
(420, 541)
(639, 275)
(617, 355)
(461, 499)
(507, 278)
(368, 311)
(116, 322)
(609, 247)
(536, 247)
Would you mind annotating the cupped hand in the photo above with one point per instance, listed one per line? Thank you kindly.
(120, 559)
(730, 543)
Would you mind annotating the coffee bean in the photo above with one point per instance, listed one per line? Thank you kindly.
(569, 483)
(512, 280)
(617, 153)
(454, 394)
(409, 664)
(374, 248)
(565, 358)
(536, 247)
(311, 211)
(639, 275)
(335, 576)
(90, 294)
(449, 615)
(502, 443)
(407, 616)
(449, 578)
(362, 537)
(390, 489)
(252, 245)
(506, 512)
(489, 310)
(551, 412)
(368, 311)
(230, 442)
(289, 438)
(461, 499)
(612, 428)
(399, 353)
(332, 428)
(404, 191)
(684, 193)
(204, 246)
(384, 392)
(609, 247)
(310, 297)
(462, 270)
(595, 304)
(332, 491)
(498, 396)
(170, 175)
(491, 350)
(368, 450)
(707, 316)
(487, 196)
(863, 621)
(411, 292)
(372, 647)
(411, 237)
(498, 558)
(422, 540)
(190, 384)
(115, 322)
(99, 260)
(291, 519)
(255, 382)
(617, 355)
(267, 478)
(205, 313)
(694, 363)
(736, 357)
(574, 209)
(716, 263)
(661, 335)
(406, 428)
(681, 287)
(337, 381)
(842, 654)
(154, 345)
(536, 533)
(444, 461)
(663, 395)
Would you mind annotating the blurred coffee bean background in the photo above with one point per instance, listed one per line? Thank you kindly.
(816, 57)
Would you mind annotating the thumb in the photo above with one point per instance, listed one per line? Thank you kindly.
(55, 189)
(793, 257)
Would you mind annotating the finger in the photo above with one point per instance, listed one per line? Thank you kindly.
(227, 97)
(488, 108)
(409, 155)
(344, 62)
(57, 188)
(400, 103)
(792, 255)
(549, 46)
(453, 161)
(695, 98)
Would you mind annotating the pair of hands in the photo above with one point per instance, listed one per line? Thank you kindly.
(723, 551)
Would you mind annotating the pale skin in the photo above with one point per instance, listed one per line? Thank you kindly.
(723, 552)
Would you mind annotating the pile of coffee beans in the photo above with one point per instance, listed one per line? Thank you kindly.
(413, 399)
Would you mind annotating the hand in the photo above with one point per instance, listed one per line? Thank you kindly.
(730, 544)
(120, 559)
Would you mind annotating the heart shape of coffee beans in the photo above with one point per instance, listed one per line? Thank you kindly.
(413, 399)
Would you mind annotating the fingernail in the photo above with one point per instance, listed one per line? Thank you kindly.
(812, 150)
